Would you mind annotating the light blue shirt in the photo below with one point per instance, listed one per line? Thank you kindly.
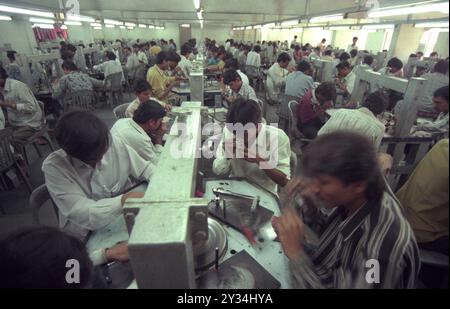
(298, 84)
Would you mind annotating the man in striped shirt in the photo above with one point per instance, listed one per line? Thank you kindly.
(365, 242)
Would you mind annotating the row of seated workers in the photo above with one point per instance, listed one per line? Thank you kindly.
(341, 181)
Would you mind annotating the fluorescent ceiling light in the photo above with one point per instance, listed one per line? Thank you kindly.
(290, 23)
(337, 28)
(197, 4)
(4, 17)
(418, 9)
(376, 27)
(98, 28)
(271, 25)
(142, 26)
(110, 26)
(122, 27)
(72, 23)
(42, 20)
(63, 27)
(315, 28)
(432, 25)
(185, 26)
(248, 28)
(443, 30)
(130, 24)
(151, 27)
(257, 27)
(159, 27)
(43, 26)
(322, 19)
(9, 9)
(80, 18)
(130, 28)
(113, 22)
(201, 23)
(96, 25)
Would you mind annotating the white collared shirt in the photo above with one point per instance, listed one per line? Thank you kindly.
(349, 81)
(276, 78)
(132, 64)
(142, 57)
(28, 111)
(244, 77)
(134, 136)
(109, 68)
(133, 106)
(254, 59)
(84, 195)
(361, 121)
(185, 65)
(271, 143)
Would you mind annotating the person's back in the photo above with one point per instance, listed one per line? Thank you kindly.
(298, 84)
(77, 81)
(436, 80)
(425, 198)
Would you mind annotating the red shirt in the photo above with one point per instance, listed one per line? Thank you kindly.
(305, 108)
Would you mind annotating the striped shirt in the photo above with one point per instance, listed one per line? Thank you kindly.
(377, 231)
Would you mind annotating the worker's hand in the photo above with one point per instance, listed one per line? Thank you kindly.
(128, 195)
(229, 146)
(290, 230)
(306, 188)
(252, 156)
(159, 134)
(8, 104)
(168, 108)
(118, 253)
(179, 79)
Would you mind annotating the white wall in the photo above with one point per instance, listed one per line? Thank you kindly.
(343, 38)
(220, 33)
(314, 37)
(375, 41)
(19, 34)
(81, 33)
(407, 42)
(442, 44)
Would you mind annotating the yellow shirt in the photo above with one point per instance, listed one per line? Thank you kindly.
(221, 65)
(155, 50)
(425, 196)
(159, 81)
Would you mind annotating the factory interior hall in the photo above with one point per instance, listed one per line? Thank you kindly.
(264, 145)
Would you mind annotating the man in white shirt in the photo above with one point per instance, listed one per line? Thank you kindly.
(86, 182)
(110, 66)
(143, 93)
(260, 154)
(144, 132)
(300, 82)
(142, 57)
(294, 41)
(353, 45)
(346, 79)
(277, 75)
(242, 58)
(24, 113)
(363, 120)
(254, 57)
(132, 61)
(238, 88)
(436, 80)
(185, 64)
(232, 64)
(441, 124)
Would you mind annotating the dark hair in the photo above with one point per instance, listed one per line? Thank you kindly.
(11, 55)
(368, 60)
(3, 73)
(334, 154)
(434, 54)
(141, 85)
(110, 55)
(173, 56)
(327, 90)
(343, 65)
(232, 64)
(71, 48)
(344, 56)
(442, 93)
(441, 67)
(324, 40)
(257, 49)
(355, 38)
(152, 43)
(82, 135)
(395, 63)
(67, 55)
(328, 52)
(36, 258)
(150, 110)
(353, 53)
(69, 65)
(413, 56)
(186, 49)
(284, 57)
(230, 76)
(419, 52)
(245, 112)
(303, 66)
(376, 102)
(161, 57)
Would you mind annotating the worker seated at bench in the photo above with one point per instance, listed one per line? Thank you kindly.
(259, 152)
(85, 181)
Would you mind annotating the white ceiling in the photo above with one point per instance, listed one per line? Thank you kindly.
(225, 12)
